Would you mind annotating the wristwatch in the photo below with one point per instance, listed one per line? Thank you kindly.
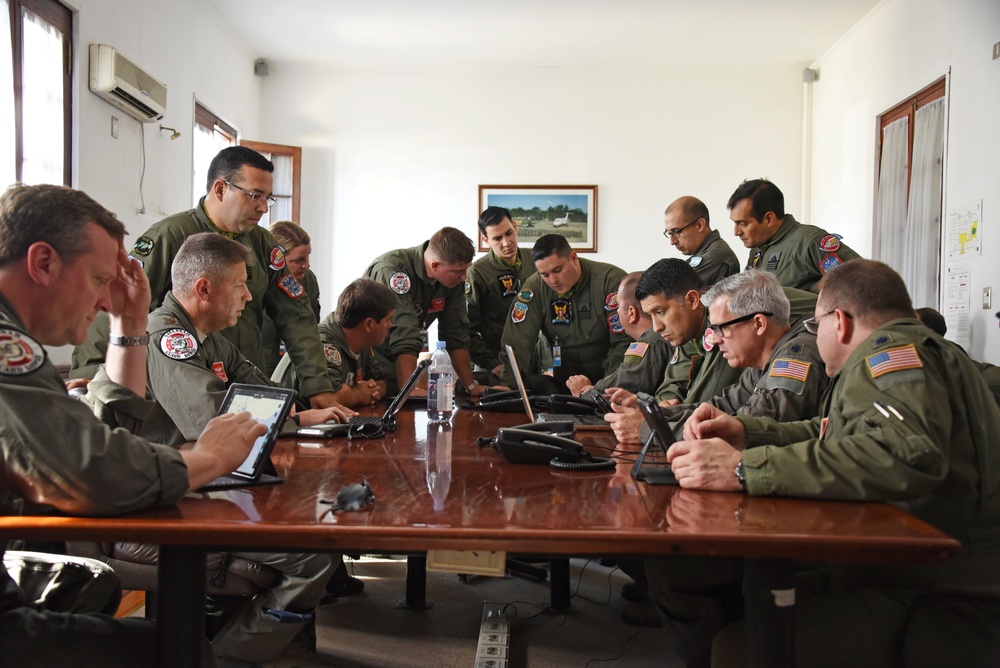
(119, 340)
(741, 475)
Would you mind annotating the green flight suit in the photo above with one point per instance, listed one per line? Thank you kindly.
(270, 342)
(273, 289)
(939, 463)
(799, 255)
(490, 288)
(585, 324)
(343, 366)
(714, 259)
(677, 374)
(419, 302)
(643, 366)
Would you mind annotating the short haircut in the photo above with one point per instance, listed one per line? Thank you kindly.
(205, 255)
(550, 244)
(764, 196)
(692, 209)
(626, 291)
(451, 246)
(671, 278)
(933, 320)
(752, 291)
(493, 215)
(871, 291)
(364, 298)
(55, 215)
(289, 234)
(230, 161)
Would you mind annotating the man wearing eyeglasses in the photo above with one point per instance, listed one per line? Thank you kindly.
(685, 225)
(799, 255)
(491, 286)
(907, 420)
(239, 193)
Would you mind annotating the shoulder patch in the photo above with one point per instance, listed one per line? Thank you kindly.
(789, 368)
(611, 301)
(519, 312)
(615, 324)
(707, 342)
(277, 258)
(525, 295)
(291, 287)
(894, 359)
(694, 260)
(19, 353)
(830, 243)
(179, 344)
(468, 287)
(143, 246)
(638, 349)
(829, 262)
(332, 354)
(219, 369)
(400, 283)
(772, 262)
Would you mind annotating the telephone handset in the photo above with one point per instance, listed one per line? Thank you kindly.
(567, 404)
(507, 401)
(529, 446)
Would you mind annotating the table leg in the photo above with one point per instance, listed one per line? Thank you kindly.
(180, 613)
(416, 582)
(769, 595)
(559, 583)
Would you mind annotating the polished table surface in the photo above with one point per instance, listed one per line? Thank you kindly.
(436, 488)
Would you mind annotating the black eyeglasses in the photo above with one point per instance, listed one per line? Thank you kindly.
(812, 324)
(271, 199)
(365, 430)
(717, 329)
(673, 234)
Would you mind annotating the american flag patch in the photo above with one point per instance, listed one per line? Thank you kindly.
(638, 349)
(785, 368)
(894, 359)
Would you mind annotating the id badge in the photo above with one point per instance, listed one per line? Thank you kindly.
(556, 355)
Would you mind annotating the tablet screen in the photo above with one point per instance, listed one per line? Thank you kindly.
(269, 406)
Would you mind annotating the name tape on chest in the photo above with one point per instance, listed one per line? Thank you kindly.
(179, 344)
(19, 353)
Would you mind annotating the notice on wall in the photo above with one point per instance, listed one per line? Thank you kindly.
(963, 233)
(956, 304)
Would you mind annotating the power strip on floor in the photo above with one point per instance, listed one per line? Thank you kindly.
(494, 637)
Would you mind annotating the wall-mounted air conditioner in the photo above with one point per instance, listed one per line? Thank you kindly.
(125, 85)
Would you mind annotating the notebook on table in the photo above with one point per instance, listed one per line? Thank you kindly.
(580, 422)
(269, 406)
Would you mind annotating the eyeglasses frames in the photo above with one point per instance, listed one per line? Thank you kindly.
(673, 234)
(717, 329)
(271, 199)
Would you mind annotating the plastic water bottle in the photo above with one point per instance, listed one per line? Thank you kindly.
(440, 385)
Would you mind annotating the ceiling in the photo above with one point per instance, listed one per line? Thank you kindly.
(541, 33)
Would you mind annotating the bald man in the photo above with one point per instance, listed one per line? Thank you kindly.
(685, 225)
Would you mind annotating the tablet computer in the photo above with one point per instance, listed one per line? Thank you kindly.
(659, 474)
(269, 406)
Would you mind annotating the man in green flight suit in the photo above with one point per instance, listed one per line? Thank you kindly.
(574, 303)
(429, 284)
(907, 420)
(799, 255)
(685, 225)
(491, 285)
(239, 192)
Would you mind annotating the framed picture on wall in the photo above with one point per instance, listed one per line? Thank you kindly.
(539, 210)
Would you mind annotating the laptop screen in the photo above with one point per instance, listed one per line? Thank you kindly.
(520, 383)
(267, 405)
(404, 392)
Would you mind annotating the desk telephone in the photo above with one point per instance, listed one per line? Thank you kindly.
(544, 443)
(566, 404)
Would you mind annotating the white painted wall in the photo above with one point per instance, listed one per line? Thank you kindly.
(390, 156)
(901, 47)
(188, 47)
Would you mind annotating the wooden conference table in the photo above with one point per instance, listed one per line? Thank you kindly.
(436, 488)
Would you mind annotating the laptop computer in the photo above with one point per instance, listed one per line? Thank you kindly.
(654, 474)
(580, 422)
(270, 407)
(384, 422)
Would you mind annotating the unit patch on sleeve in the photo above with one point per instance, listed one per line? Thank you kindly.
(277, 258)
(830, 243)
(19, 353)
(611, 301)
(219, 369)
(400, 283)
(894, 359)
(508, 285)
(291, 287)
(143, 246)
(694, 260)
(830, 262)
(518, 313)
(525, 295)
(615, 323)
(332, 354)
(468, 287)
(179, 344)
(637, 349)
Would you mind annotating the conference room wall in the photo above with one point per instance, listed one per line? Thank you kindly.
(901, 47)
(390, 155)
(188, 47)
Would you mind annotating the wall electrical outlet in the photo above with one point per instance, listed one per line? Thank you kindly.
(987, 297)
(114, 127)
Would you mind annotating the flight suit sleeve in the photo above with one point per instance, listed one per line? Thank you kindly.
(88, 357)
(295, 321)
(404, 337)
(641, 370)
(453, 325)
(520, 332)
(619, 342)
(115, 405)
(791, 389)
(480, 353)
(736, 397)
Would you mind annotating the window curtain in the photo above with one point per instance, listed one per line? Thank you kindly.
(282, 209)
(921, 244)
(890, 209)
(8, 152)
(42, 100)
(207, 143)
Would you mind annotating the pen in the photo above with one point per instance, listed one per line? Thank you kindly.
(886, 410)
